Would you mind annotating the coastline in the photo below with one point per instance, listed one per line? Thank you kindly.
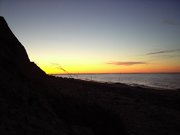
(139, 80)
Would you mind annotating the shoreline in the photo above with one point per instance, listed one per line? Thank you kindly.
(129, 84)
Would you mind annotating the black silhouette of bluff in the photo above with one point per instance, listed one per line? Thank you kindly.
(13, 56)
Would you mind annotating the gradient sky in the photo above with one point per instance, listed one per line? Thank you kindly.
(98, 36)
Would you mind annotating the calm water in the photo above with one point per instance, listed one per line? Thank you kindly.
(168, 81)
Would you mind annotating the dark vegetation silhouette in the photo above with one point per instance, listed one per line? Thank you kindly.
(32, 102)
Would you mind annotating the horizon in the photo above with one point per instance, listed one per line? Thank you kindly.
(98, 37)
(115, 73)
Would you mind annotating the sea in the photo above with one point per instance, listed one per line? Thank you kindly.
(159, 81)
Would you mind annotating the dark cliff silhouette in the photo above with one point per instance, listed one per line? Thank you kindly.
(32, 102)
(13, 55)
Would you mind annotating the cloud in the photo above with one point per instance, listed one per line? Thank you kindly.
(127, 63)
(163, 52)
(171, 22)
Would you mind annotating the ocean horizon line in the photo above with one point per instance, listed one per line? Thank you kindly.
(113, 73)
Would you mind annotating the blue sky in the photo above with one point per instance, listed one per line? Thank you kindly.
(92, 33)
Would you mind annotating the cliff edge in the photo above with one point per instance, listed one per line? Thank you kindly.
(13, 56)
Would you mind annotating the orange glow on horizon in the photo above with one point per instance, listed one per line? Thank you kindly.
(87, 69)
(87, 65)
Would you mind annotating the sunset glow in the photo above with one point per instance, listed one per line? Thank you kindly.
(98, 37)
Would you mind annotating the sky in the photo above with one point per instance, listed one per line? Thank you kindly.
(98, 36)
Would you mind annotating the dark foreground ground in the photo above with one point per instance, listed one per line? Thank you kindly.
(33, 103)
(75, 107)
(132, 110)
